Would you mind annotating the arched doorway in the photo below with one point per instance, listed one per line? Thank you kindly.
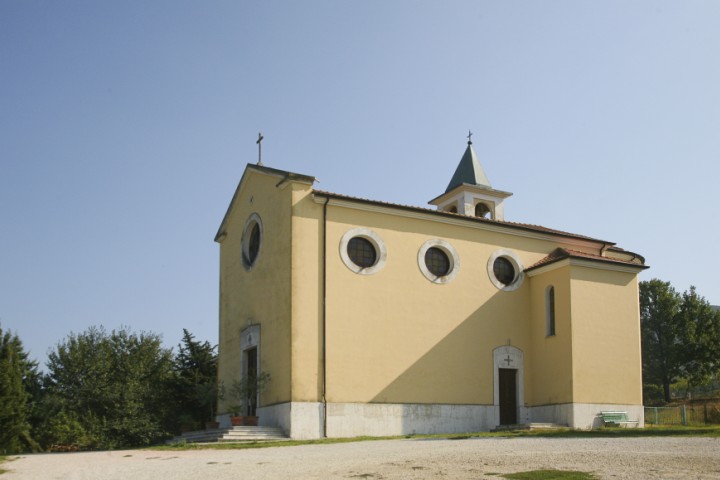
(508, 384)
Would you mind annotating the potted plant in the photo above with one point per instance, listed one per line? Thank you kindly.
(246, 392)
(208, 394)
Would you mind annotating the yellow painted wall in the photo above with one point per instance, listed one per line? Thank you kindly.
(395, 337)
(607, 364)
(549, 369)
(262, 295)
(306, 296)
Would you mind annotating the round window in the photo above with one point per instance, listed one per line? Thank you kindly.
(362, 252)
(505, 270)
(251, 240)
(438, 261)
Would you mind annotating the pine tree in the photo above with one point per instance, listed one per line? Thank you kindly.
(15, 371)
(196, 380)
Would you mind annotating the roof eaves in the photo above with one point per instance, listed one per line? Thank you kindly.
(284, 174)
(562, 253)
(512, 225)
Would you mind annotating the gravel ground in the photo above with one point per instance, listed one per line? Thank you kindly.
(618, 458)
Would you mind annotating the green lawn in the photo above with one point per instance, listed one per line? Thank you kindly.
(3, 459)
(559, 433)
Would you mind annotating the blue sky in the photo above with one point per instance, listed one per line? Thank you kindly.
(125, 127)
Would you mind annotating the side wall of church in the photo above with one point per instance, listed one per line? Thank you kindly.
(607, 364)
(550, 371)
(395, 337)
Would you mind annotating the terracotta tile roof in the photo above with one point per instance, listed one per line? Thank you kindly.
(563, 253)
(516, 225)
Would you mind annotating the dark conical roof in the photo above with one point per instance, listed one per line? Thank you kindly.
(469, 171)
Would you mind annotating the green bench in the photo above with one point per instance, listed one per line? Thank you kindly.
(617, 419)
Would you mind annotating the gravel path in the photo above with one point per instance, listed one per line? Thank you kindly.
(619, 458)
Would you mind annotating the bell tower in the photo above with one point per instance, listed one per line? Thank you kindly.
(469, 191)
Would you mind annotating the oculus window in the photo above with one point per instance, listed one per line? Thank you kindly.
(251, 241)
(363, 251)
(438, 261)
(505, 270)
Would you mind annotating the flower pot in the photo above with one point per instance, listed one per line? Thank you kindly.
(244, 421)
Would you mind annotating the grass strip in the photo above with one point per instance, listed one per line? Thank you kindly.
(3, 459)
(557, 433)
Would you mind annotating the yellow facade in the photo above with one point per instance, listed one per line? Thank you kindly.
(397, 351)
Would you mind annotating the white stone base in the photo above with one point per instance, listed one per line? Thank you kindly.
(380, 419)
(582, 415)
(304, 420)
(299, 420)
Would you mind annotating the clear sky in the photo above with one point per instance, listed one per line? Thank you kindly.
(125, 127)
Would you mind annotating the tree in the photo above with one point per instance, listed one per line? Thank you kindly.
(112, 389)
(18, 374)
(661, 333)
(680, 336)
(196, 388)
(702, 338)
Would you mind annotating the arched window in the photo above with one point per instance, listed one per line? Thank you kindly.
(452, 209)
(550, 311)
(482, 210)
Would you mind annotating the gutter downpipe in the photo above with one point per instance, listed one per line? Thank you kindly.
(324, 318)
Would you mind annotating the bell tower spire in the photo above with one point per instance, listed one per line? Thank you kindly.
(470, 192)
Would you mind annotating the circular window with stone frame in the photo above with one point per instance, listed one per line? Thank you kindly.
(363, 251)
(251, 241)
(438, 261)
(505, 270)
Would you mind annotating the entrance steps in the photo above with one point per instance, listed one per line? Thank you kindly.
(528, 426)
(232, 434)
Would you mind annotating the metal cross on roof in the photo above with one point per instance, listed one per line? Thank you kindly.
(260, 139)
(469, 137)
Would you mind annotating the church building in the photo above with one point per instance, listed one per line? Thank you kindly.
(374, 318)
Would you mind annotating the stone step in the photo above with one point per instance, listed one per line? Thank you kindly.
(233, 434)
(528, 426)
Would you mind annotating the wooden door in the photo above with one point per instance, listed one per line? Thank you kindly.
(252, 373)
(508, 395)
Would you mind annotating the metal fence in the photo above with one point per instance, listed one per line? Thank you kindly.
(692, 414)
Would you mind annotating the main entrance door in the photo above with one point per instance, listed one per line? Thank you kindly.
(508, 395)
(251, 372)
